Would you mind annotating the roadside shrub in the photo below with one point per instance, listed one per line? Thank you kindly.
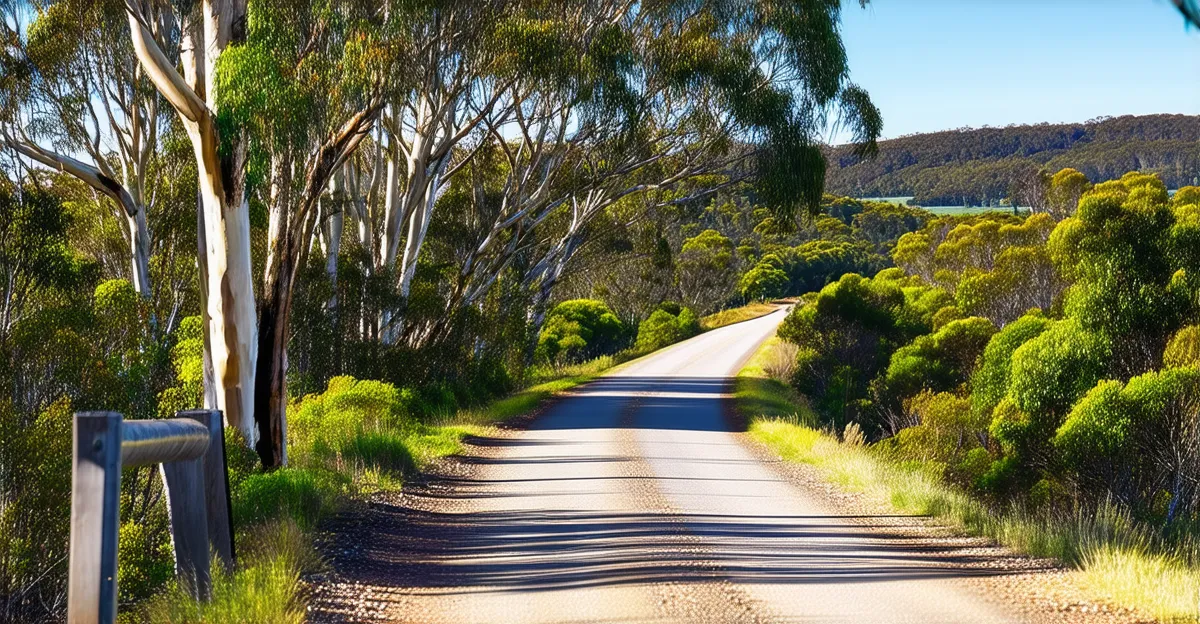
(780, 362)
(1137, 441)
(305, 496)
(941, 361)
(1098, 428)
(349, 418)
(579, 329)
(946, 434)
(1049, 373)
(1184, 349)
(846, 335)
(662, 328)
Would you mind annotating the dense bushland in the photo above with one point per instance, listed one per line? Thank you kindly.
(1046, 364)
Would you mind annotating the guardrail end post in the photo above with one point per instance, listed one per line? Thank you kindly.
(216, 486)
(95, 518)
(184, 484)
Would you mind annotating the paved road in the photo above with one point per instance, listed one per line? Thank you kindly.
(632, 501)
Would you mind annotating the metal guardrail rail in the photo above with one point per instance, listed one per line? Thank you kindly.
(191, 449)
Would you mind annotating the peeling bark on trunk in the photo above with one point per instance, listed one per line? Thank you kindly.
(271, 384)
(209, 375)
(230, 310)
(293, 227)
(231, 340)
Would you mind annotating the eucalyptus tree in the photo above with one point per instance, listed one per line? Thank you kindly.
(305, 89)
(82, 105)
(662, 103)
(179, 46)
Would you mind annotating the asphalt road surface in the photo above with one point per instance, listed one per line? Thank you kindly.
(634, 501)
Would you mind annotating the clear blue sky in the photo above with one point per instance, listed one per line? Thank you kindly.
(937, 64)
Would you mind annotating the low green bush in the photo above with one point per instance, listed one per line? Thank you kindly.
(663, 328)
(305, 496)
(352, 420)
(578, 330)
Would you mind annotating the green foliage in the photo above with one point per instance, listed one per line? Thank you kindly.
(1117, 248)
(1053, 369)
(1184, 348)
(353, 421)
(145, 561)
(1066, 187)
(811, 266)
(1098, 427)
(35, 490)
(266, 589)
(663, 328)
(578, 330)
(847, 335)
(187, 359)
(946, 437)
(989, 382)
(1186, 195)
(706, 269)
(882, 224)
(304, 496)
(941, 361)
(763, 282)
(1113, 435)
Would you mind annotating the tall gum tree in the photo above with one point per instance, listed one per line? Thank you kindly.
(204, 32)
(305, 88)
(452, 88)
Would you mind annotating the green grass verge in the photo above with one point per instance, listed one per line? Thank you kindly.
(1115, 558)
(736, 315)
(264, 589)
(547, 382)
(757, 395)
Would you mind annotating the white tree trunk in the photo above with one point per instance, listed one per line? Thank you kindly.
(332, 227)
(229, 294)
(139, 249)
(418, 226)
(230, 312)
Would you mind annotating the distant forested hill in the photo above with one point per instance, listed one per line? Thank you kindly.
(978, 166)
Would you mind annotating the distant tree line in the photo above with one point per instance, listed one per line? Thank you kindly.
(978, 166)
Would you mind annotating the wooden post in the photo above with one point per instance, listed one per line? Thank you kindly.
(95, 518)
(184, 481)
(216, 486)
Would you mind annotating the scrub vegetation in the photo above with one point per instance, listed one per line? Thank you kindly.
(1028, 379)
